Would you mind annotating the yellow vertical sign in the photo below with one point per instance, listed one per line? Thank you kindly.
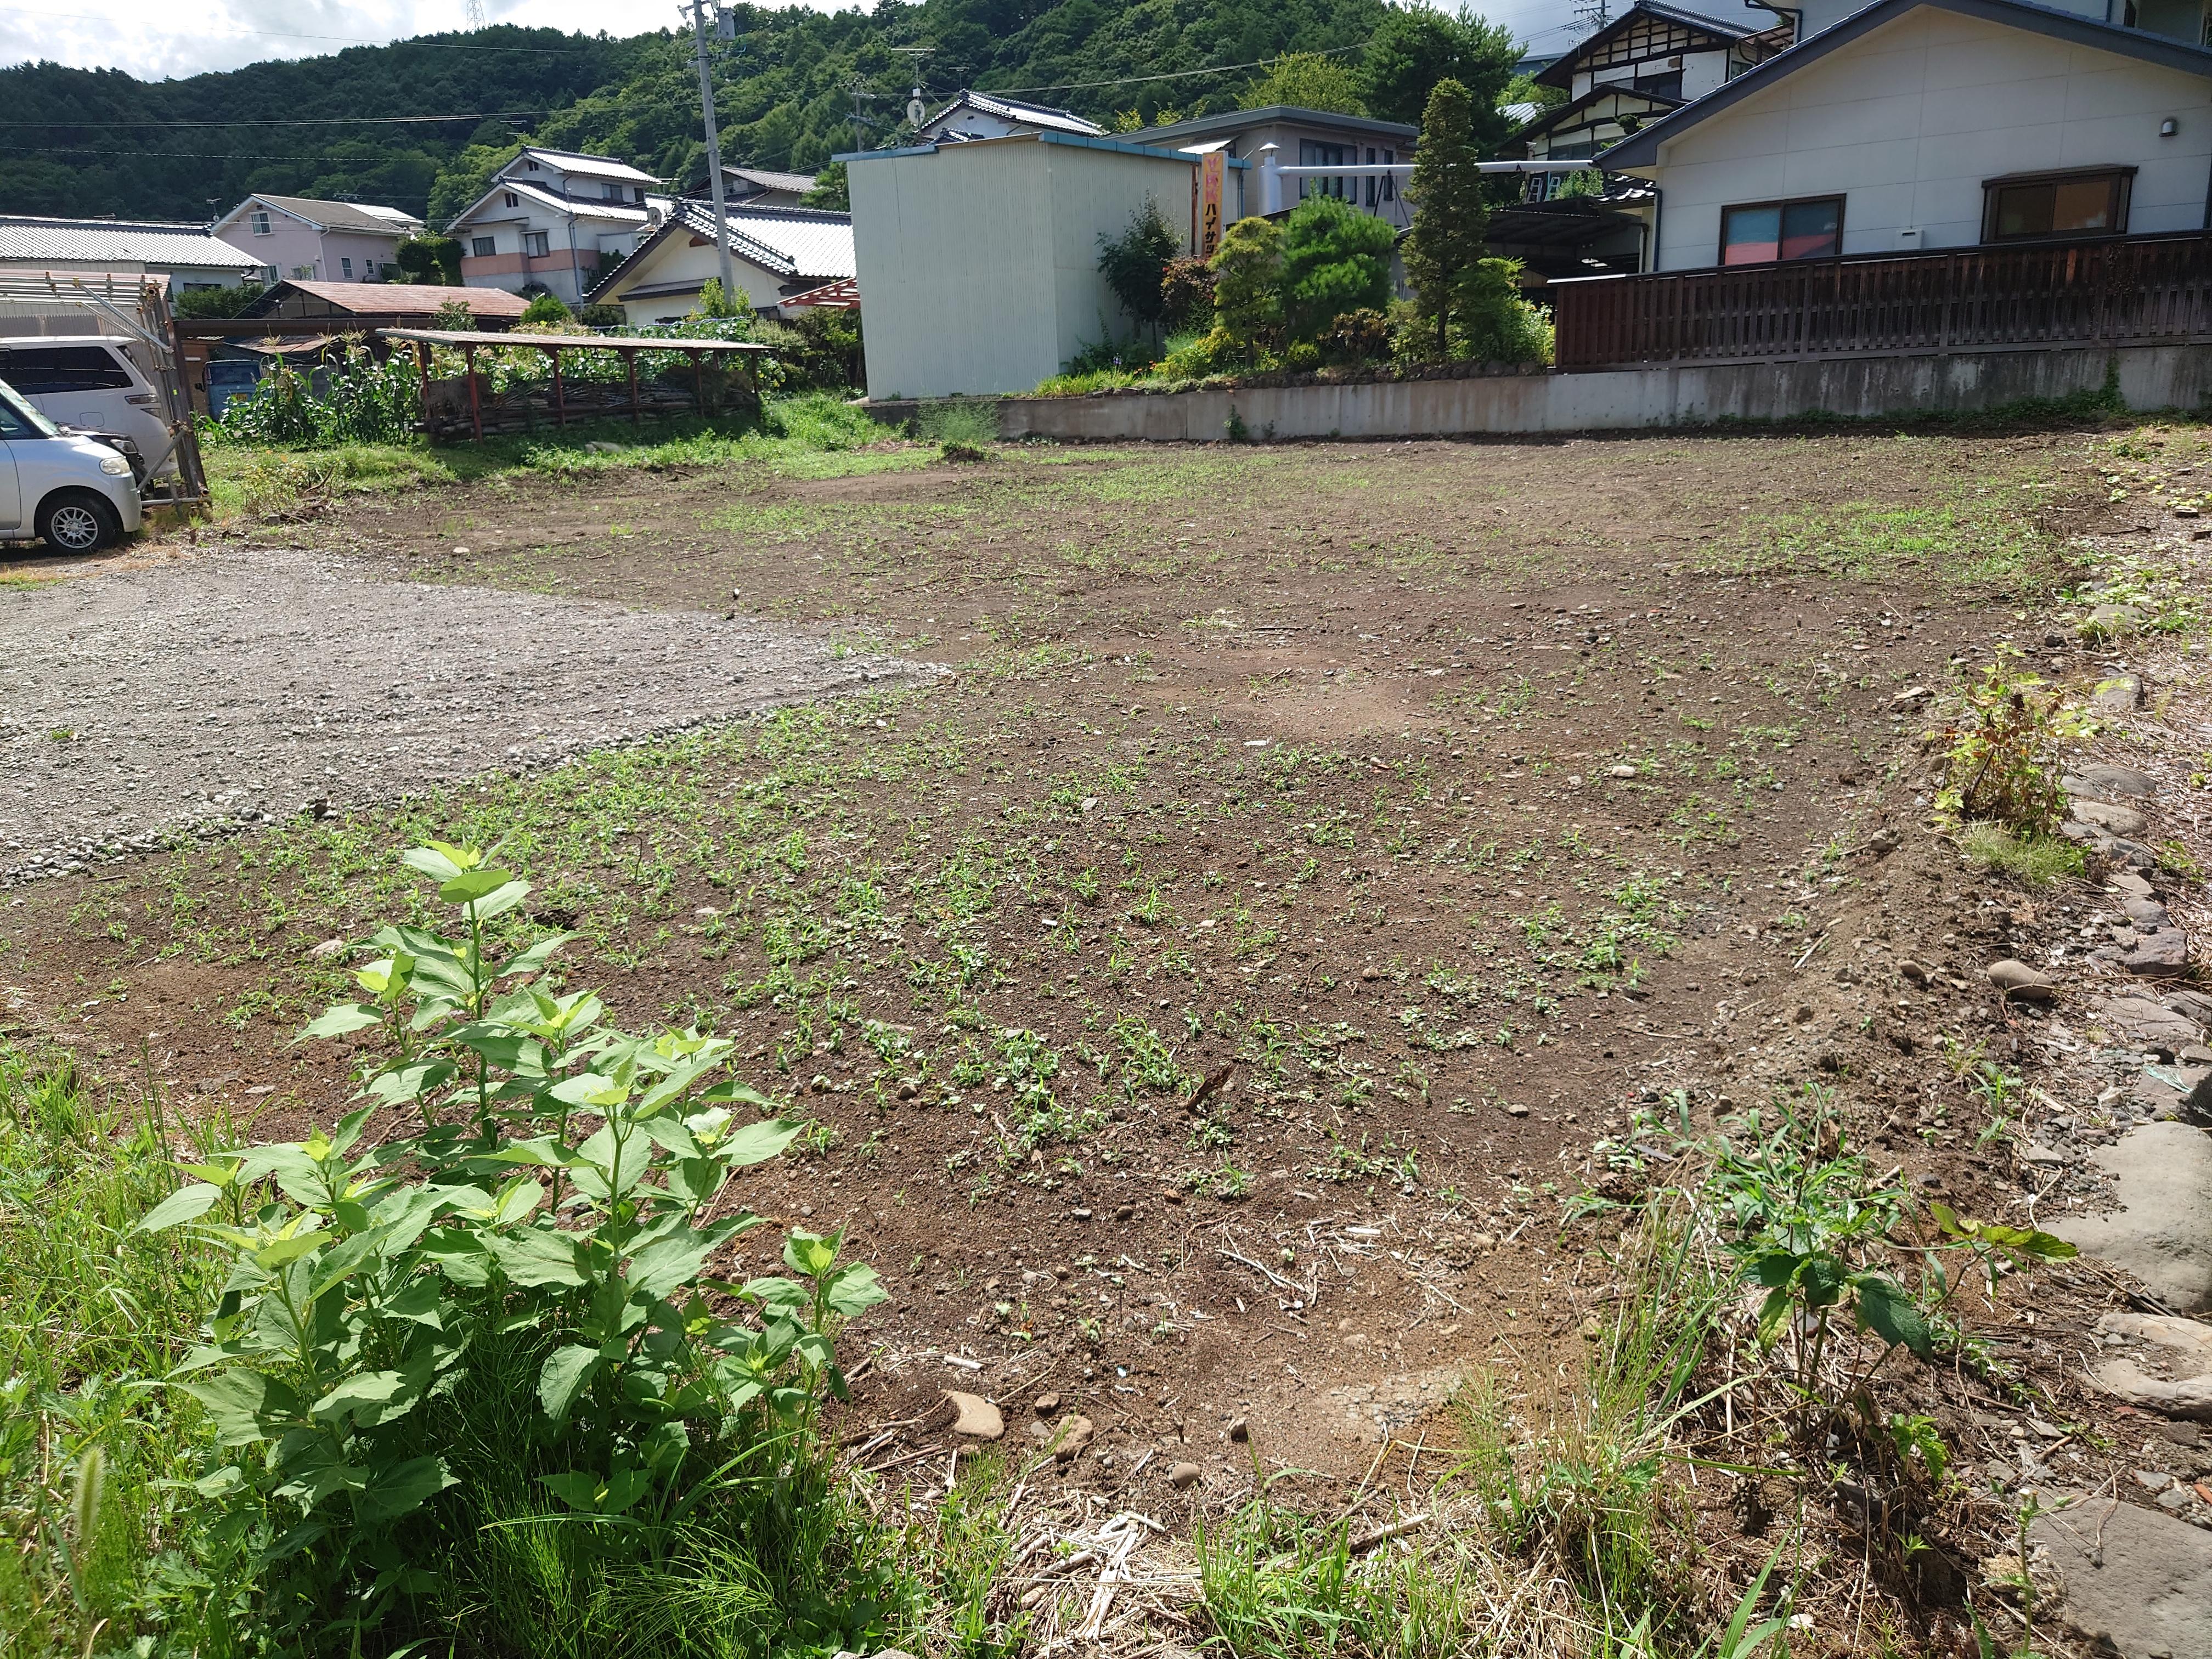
(1213, 172)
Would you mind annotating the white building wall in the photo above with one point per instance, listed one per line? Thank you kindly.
(677, 260)
(1817, 15)
(1906, 123)
(979, 264)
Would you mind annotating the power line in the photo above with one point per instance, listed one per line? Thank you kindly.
(1178, 75)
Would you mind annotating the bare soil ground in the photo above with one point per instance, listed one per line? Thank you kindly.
(1462, 801)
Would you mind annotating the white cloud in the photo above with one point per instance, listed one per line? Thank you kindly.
(157, 39)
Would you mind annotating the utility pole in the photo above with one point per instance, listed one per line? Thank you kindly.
(725, 27)
(858, 86)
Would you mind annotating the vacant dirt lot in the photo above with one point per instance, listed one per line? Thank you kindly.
(1461, 801)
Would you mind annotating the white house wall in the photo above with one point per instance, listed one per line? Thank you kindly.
(979, 264)
(1818, 14)
(1907, 123)
(679, 260)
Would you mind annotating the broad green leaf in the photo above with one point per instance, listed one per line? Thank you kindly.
(809, 1253)
(566, 1371)
(418, 1304)
(459, 1256)
(670, 1135)
(1947, 1219)
(594, 1495)
(373, 1397)
(500, 901)
(855, 1289)
(402, 1488)
(777, 1293)
(757, 1143)
(669, 1263)
(341, 1019)
(534, 959)
(287, 1250)
(245, 1405)
(1771, 1314)
(472, 884)
(185, 1204)
(535, 1255)
(695, 1180)
(1886, 1310)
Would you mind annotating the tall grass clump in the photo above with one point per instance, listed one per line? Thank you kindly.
(97, 1514)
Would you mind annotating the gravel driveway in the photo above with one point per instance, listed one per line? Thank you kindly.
(140, 699)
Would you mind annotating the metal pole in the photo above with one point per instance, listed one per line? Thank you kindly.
(476, 406)
(560, 402)
(699, 11)
(422, 364)
(629, 362)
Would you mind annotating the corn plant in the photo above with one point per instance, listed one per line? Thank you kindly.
(546, 1187)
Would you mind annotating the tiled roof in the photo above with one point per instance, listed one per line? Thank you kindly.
(26, 238)
(598, 166)
(330, 215)
(790, 242)
(798, 183)
(1012, 109)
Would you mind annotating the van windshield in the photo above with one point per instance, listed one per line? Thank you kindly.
(15, 403)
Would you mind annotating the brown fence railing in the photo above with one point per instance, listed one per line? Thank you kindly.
(2135, 291)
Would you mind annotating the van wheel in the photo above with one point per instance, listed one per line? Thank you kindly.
(78, 521)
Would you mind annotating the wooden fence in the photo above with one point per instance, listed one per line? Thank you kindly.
(2135, 291)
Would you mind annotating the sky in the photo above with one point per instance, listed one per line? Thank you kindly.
(153, 39)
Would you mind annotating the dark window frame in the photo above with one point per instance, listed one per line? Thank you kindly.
(1780, 204)
(58, 377)
(2119, 201)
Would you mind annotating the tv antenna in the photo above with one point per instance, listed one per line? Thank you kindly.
(917, 110)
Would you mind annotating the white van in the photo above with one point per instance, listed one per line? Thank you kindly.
(89, 380)
(77, 496)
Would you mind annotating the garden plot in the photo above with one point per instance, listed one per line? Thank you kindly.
(150, 696)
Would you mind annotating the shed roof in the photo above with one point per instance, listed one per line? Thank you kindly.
(393, 298)
(1641, 149)
(28, 237)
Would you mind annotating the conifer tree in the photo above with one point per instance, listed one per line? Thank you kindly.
(1444, 250)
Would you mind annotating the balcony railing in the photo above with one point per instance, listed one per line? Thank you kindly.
(2138, 290)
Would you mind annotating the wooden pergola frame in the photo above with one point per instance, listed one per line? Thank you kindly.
(467, 340)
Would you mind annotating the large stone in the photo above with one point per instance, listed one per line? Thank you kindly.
(2119, 820)
(2104, 782)
(2190, 1004)
(1075, 1433)
(2145, 1024)
(2161, 1228)
(976, 1417)
(2123, 694)
(2179, 1356)
(2019, 982)
(2137, 1579)
(2162, 953)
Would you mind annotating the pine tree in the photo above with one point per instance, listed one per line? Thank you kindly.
(1444, 249)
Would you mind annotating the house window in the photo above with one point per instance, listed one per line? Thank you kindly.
(1370, 180)
(1659, 85)
(1760, 233)
(530, 167)
(513, 200)
(345, 268)
(2089, 204)
(534, 244)
(1311, 154)
(637, 195)
(261, 223)
(1389, 179)
(481, 247)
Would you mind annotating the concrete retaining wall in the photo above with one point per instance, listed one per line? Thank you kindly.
(2149, 378)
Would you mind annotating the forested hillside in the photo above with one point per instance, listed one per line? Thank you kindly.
(104, 142)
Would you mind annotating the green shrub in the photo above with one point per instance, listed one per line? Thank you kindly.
(1356, 337)
(1135, 262)
(359, 400)
(1999, 742)
(1303, 357)
(1186, 294)
(1194, 356)
(479, 1354)
(211, 302)
(1335, 258)
(544, 309)
(1248, 294)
